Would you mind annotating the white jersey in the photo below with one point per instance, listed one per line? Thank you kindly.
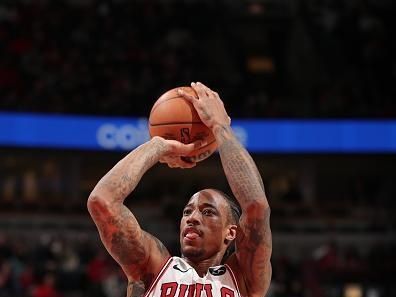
(178, 279)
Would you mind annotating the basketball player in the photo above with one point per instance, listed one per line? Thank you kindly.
(209, 224)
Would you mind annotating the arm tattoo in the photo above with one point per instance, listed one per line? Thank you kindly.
(118, 228)
(258, 232)
(135, 289)
(240, 169)
(120, 233)
(254, 242)
(122, 179)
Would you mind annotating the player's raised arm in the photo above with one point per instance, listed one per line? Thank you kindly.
(253, 242)
(140, 254)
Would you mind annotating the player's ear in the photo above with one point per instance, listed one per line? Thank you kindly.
(231, 234)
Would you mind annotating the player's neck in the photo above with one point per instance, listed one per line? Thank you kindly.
(202, 266)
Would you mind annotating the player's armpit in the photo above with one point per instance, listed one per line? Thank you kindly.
(254, 248)
(139, 254)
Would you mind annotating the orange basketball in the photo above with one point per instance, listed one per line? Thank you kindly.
(173, 117)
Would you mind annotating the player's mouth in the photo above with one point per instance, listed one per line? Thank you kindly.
(191, 233)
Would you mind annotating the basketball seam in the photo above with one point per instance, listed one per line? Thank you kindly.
(171, 98)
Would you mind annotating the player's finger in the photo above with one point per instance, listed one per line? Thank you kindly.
(185, 149)
(193, 100)
(185, 165)
(180, 163)
(217, 96)
(208, 91)
(172, 165)
(199, 143)
(199, 89)
(168, 159)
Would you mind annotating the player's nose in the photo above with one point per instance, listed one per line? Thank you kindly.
(194, 218)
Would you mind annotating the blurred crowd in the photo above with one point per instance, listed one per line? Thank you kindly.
(48, 266)
(58, 266)
(359, 199)
(331, 271)
(301, 58)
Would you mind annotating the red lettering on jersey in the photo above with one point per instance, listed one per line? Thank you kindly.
(194, 290)
(198, 290)
(208, 290)
(168, 289)
(182, 291)
(225, 292)
(191, 290)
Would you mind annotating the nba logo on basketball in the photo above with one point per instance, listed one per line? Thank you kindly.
(185, 135)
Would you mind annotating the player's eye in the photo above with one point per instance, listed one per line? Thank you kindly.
(208, 212)
(187, 211)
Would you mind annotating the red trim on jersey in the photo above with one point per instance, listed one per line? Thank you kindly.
(233, 279)
(159, 275)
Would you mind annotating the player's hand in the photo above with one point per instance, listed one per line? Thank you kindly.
(175, 151)
(177, 162)
(209, 106)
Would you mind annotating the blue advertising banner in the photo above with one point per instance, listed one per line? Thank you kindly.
(265, 136)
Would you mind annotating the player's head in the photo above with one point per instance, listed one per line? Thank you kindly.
(209, 225)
